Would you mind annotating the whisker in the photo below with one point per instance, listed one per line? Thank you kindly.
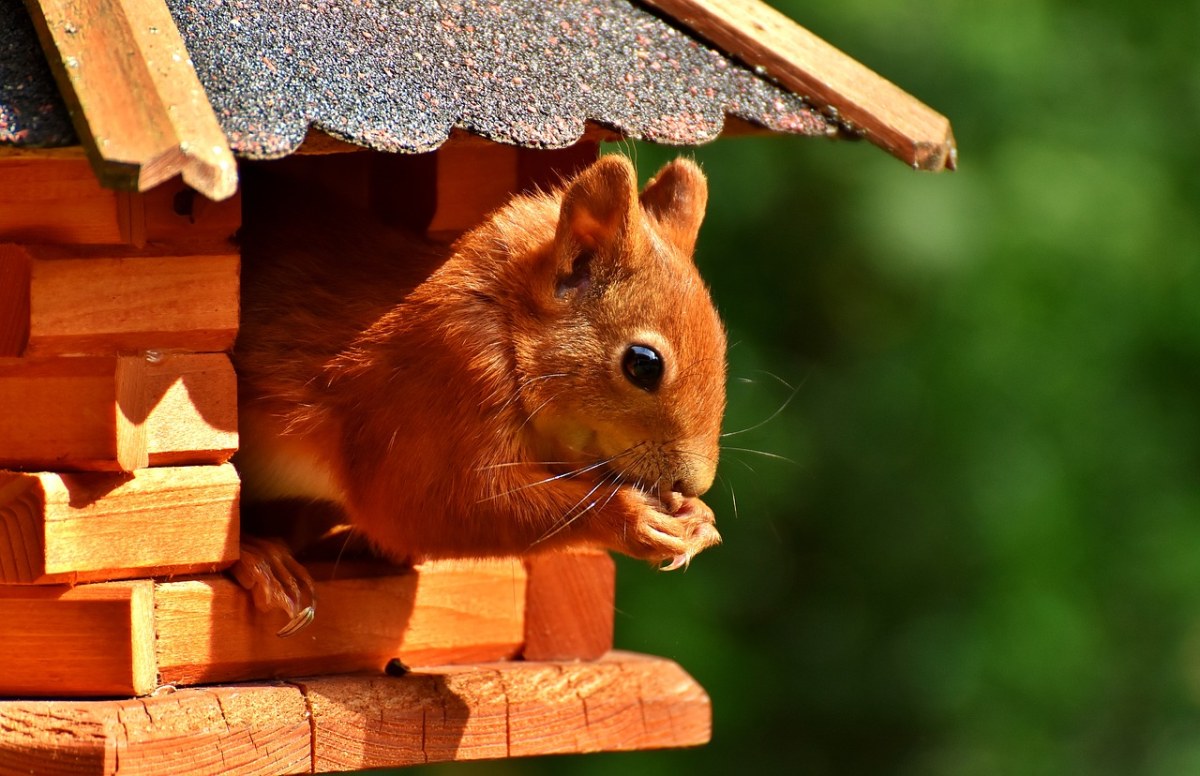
(564, 475)
(783, 382)
(749, 468)
(540, 407)
(523, 463)
(563, 523)
(732, 496)
(763, 453)
(774, 414)
(694, 454)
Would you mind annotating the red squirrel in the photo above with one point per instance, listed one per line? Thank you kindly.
(554, 378)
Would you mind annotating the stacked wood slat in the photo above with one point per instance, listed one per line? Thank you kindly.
(117, 310)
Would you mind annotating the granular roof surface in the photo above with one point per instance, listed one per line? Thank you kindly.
(399, 75)
(31, 110)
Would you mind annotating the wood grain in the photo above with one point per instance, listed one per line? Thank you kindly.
(175, 214)
(443, 612)
(764, 38)
(442, 714)
(158, 123)
(245, 729)
(91, 640)
(67, 417)
(110, 414)
(621, 703)
(186, 408)
(72, 528)
(56, 199)
(104, 303)
(473, 179)
(569, 604)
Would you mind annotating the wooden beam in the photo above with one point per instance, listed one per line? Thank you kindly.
(176, 215)
(67, 414)
(246, 729)
(134, 96)
(569, 605)
(56, 199)
(73, 528)
(764, 38)
(473, 179)
(91, 640)
(622, 703)
(443, 612)
(105, 301)
(205, 629)
(337, 723)
(117, 413)
(192, 413)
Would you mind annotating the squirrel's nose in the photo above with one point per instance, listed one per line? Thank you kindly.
(693, 483)
(684, 488)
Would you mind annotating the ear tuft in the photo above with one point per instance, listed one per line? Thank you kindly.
(676, 198)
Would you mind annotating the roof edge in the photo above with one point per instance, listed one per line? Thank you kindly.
(822, 75)
(133, 95)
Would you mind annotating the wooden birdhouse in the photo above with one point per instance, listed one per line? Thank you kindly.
(126, 130)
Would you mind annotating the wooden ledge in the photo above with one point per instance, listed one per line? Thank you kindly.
(622, 702)
(772, 43)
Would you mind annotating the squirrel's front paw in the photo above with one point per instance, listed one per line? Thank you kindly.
(277, 581)
(673, 538)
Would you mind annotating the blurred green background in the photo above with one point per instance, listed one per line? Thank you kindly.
(984, 554)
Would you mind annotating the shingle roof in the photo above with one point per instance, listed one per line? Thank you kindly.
(31, 110)
(399, 76)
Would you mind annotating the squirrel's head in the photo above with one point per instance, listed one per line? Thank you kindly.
(620, 354)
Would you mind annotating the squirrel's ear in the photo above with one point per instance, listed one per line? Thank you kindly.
(676, 198)
(598, 212)
(599, 205)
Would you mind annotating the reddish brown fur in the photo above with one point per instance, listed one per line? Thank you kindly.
(444, 395)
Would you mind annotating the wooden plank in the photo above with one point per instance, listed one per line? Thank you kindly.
(621, 703)
(137, 103)
(175, 214)
(765, 39)
(246, 729)
(569, 604)
(112, 414)
(72, 528)
(104, 303)
(91, 640)
(442, 612)
(176, 409)
(473, 179)
(191, 410)
(339, 723)
(56, 199)
(67, 417)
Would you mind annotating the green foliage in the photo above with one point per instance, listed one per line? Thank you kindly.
(983, 556)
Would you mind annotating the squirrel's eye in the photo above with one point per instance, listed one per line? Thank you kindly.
(643, 366)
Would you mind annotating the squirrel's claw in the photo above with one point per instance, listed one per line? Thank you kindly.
(276, 581)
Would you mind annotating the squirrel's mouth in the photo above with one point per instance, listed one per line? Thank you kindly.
(666, 499)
